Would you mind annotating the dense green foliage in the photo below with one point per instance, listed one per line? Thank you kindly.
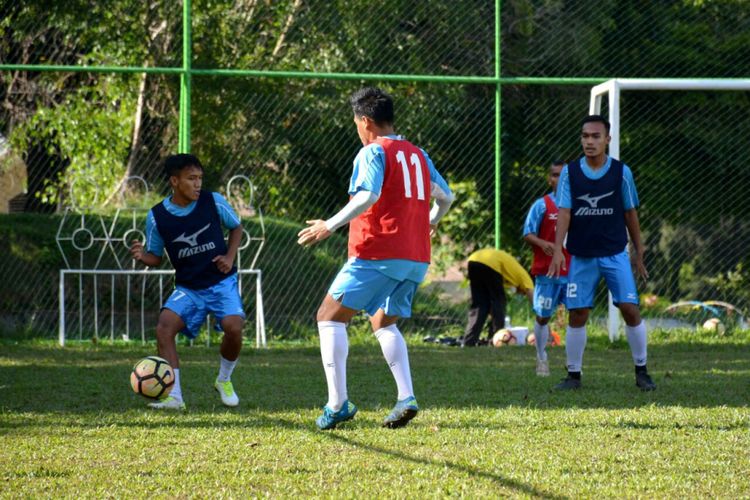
(295, 139)
(71, 426)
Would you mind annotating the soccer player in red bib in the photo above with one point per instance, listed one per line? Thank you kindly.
(539, 232)
(390, 220)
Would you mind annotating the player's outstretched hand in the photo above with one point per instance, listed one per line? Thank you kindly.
(316, 231)
(136, 250)
(223, 263)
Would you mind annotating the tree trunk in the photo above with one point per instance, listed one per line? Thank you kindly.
(285, 29)
(135, 144)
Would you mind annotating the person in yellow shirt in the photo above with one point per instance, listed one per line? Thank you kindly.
(490, 271)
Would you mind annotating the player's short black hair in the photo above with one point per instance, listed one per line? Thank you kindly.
(557, 163)
(596, 119)
(374, 104)
(175, 163)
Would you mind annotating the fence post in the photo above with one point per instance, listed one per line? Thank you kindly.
(185, 78)
(61, 328)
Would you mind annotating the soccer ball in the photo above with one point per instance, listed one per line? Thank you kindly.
(152, 377)
(714, 325)
(503, 337)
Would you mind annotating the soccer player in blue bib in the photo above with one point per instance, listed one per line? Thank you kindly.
(190, 224)
(597, 202)
(539, 232)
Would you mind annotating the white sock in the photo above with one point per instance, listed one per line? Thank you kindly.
(575, 343)
(334, 349)
(637, 340)
(541, 333)
(176, 391)
(394, 350)
(226, 368)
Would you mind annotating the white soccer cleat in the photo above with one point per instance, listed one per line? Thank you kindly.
(226, 391)
(168, 403)
(542, 368)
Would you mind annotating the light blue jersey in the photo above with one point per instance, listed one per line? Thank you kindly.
(367, 175)
(369, 170)
(535, 215)
(154, 241)
(629, 192)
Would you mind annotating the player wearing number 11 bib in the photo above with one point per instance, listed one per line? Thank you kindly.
(390, 221)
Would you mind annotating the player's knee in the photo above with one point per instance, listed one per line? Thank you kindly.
(578, 317)
(165, 332)
(322, 314)
(233, 327)
(327, 309)
(631, 314)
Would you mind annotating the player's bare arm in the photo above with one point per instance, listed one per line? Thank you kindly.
(225, 262)
(548, 247)
(139, 253)
(634, 230)
(558, 258)
(318, 229)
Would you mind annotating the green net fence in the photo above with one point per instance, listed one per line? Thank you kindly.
(268, 99)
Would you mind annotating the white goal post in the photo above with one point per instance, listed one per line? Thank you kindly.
(612, 89)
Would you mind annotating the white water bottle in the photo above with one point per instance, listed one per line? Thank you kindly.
(507, 321)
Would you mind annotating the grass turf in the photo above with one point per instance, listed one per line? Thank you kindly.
(70, 425)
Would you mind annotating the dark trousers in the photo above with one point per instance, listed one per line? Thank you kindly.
(487, 297)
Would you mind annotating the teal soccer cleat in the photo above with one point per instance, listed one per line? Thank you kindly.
(405, 410)
(329, 419)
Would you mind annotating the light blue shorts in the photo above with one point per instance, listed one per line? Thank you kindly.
(585, 274)
(364, 288)
(548, 294)
(192, 306)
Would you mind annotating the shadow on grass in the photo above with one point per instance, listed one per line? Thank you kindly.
(83, 379)
(455, 467)
(189, 420)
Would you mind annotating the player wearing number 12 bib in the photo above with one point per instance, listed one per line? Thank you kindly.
(390, 220)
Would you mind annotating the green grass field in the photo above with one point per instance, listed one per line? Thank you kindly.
(71, 427)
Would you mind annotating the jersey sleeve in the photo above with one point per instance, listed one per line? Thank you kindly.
(629, 192)
(534, 217)
(563, 190)
(154, 242)
(438, 186)
(229, 218)
(369, 170)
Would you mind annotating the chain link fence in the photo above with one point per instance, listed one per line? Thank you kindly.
(294, 137)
